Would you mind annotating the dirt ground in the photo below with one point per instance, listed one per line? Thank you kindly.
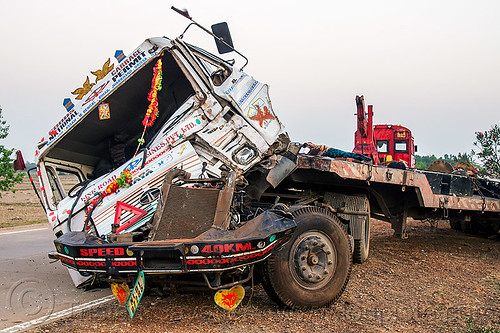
(438, 280)
(21, 207)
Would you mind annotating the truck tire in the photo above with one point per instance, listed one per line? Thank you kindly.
(362, 246)
(313, 268)
(359, 225)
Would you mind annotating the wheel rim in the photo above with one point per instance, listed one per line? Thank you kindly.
(313, 259)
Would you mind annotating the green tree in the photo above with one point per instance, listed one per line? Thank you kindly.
(489, 145)
(8, 176)
(422, 162)
(467, 158)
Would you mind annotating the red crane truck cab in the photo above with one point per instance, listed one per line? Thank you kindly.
(395, 141)
(382, 143)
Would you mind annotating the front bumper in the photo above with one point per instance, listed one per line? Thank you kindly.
(213, 251)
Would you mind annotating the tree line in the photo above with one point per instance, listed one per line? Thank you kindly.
(485, 159)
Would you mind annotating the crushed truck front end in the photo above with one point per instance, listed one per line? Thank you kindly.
(211, 120)
(180, 168)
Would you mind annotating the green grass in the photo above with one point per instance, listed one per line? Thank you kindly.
(471, 328)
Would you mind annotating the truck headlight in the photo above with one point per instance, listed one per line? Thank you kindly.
(244, 155)
(195, 249)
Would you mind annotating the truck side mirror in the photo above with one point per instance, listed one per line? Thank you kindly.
(416, 148)
(221, 30)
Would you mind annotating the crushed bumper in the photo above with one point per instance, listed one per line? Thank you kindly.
(212, 251)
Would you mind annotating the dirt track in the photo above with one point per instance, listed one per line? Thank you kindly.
(437, 280)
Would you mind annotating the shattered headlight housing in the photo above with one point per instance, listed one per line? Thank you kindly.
(244, 155)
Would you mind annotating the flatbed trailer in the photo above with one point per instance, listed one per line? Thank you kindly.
(396, 194)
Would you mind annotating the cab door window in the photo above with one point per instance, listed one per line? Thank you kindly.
(61, 181)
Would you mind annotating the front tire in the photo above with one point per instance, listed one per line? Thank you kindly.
(313, 268)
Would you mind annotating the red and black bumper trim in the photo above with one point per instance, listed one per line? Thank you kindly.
(212, 251)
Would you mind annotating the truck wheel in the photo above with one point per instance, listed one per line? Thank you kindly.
(362, 246)
(359, 225)
(313, 268)
(360, 228)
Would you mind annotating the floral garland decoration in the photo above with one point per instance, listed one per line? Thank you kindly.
(124, 180)
(152, 111)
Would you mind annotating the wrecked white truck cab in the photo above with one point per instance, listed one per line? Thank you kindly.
(169, 111)
(212, 118)
(183, 173)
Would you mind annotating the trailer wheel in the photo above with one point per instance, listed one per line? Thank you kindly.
(359, 225)
(313, 268)
(362, 246)
(362, 223)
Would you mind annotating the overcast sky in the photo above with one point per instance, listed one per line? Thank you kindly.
(430, 65)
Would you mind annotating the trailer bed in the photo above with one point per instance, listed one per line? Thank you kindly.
(404, 180)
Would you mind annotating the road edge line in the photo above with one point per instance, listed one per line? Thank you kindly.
(57, 315)
(20, 231)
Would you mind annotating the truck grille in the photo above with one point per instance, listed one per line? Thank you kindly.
(188, 212)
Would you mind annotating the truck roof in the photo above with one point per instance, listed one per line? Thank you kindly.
(104, 82)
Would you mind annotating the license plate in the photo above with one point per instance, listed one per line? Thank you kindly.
(136, 295)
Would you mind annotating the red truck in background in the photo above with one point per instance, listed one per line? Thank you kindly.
(395, 141)
(382, 143)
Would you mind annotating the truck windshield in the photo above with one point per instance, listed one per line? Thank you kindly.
(382, 146)
(400, 146)
(102, 145)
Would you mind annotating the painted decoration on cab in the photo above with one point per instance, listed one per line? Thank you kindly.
(104, 111)
(230, 299)
(101, 73)
(80, 92)
(68, 104)
(259, 112)
(119, 55)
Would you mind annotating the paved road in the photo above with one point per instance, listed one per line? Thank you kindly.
(32, 287)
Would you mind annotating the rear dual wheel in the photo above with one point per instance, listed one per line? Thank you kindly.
(362, 223)
(359, 224)
(313, 268)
